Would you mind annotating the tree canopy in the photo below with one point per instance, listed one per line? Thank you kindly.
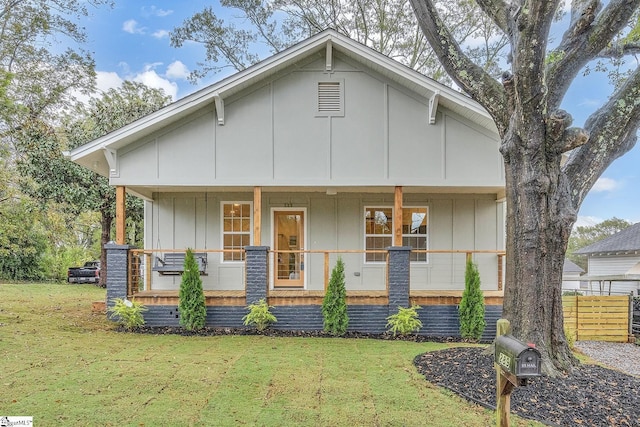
(389, 26)
(49, 177)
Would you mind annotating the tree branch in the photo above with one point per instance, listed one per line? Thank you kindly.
(470, 77)
(612, 132)
(589, 34)
(497, 11)
(619, 50)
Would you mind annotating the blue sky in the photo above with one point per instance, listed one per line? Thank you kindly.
(130, 42)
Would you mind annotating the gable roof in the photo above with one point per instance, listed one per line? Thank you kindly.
(625, 241)
(93, 154)
(571, 267)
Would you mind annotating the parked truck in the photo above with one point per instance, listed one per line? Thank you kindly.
(88, 273)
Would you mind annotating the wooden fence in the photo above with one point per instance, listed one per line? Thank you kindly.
(598, 318)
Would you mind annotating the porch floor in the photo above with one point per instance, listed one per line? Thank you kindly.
(287, 297)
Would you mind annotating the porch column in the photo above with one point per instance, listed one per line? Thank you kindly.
(398, 277)
(397, 217)
(257, 215)
(117, 271)
(121, 201)
(256, 272)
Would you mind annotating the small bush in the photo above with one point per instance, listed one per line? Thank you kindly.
(259, 315)
(127, 314)
(571, 293)
(334, 303)
(471, 309)
(192, 305)
(404, 321)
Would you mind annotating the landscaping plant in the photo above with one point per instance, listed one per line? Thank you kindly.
(191, 305)
(471, 309)
(127, 314)
(334, 303)
(259, 315)
(404, 321)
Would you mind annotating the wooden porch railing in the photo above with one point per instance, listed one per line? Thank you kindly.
(140, 279)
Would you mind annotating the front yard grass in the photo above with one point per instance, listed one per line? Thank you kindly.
(63, 364)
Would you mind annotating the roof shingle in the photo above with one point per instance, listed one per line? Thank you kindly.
(627, 240)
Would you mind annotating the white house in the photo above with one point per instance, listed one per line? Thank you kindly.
(614, 263)
(326, 149)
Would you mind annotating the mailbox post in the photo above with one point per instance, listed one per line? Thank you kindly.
(515, 363)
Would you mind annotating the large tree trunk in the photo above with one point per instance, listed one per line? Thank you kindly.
(540, 216)
(106, 219)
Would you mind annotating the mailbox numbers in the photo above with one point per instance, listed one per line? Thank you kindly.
(504, 360)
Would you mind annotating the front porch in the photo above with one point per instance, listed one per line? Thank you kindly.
(300, 308)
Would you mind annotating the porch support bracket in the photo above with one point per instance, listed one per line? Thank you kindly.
(219, 108)
(112, 160)
(433, 107)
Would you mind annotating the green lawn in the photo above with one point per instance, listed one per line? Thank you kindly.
(63, 365)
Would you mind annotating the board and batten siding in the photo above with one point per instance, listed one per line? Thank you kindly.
(274, 136)
(455, 222)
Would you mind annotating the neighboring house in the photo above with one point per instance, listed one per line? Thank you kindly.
(614, 263)
(326, 149)
(572, 276)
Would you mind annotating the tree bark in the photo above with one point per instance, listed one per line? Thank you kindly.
(539, 221)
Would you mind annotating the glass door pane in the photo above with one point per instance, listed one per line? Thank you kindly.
(289, 235)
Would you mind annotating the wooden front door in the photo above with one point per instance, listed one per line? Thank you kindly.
(289, 238)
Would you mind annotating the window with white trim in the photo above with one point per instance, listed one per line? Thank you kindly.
(378, 231)
(414, 231)
(236, 228)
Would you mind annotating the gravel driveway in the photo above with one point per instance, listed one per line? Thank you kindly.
(621, 356)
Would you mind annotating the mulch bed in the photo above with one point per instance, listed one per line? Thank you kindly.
(590, 396)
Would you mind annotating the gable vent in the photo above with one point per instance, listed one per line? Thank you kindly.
(330, 98)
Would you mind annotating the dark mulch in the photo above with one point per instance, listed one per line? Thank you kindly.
(589, 396)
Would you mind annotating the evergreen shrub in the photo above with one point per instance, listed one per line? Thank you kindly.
(471, 309)
(334, 303)
(191, 305)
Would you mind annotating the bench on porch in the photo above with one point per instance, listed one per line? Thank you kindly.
(172, 263)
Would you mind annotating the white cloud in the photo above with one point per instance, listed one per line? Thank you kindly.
(154, 11)
(131, 26)
(605, 184)
(152, 79)
(160, 34)
(108, 80)
(587, 221)
(177, 70)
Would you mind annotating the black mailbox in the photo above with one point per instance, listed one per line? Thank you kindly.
(517, 358)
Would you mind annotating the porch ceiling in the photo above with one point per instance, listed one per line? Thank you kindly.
(146, 192)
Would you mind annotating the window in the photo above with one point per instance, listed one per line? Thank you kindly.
(330, 99)
(378, 229)
(236, 229)
(414, 231)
